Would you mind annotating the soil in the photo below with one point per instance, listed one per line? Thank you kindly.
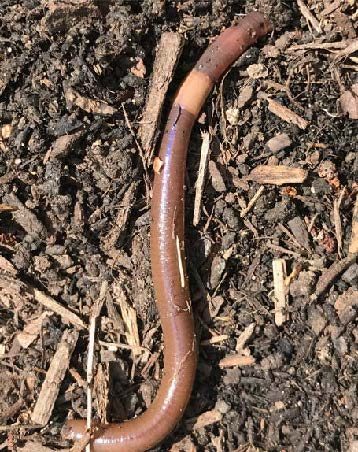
(75, 216)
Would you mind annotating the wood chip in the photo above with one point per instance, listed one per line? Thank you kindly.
(277, 175)
(32, 330)
(33, 446)
(330, 274)
(215, 339)
(54, 306)
(286, 114)
(306, 13)
(167, 56)
(245, 96)
(207, 418)
(54, 377)
(279, 142)
(244, 337)
(349, 102)
(184, 445)
(25, 217)
(352, 47)
(346, 300)
(280, 291)
(353, 246)
(252, 202)
(217, 181)
(61, 146)
(200, 181)
(74, 98)
(237, 360)
(95, 312)
(129, 316)
(109, 241)
(300, 232)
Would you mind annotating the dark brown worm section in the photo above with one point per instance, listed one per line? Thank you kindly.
(167, 252)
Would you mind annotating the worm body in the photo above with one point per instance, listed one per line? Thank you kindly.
(167, 252)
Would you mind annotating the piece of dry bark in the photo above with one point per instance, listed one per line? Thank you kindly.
(252, 202)
(345, 302)
(286, 114)
(64, 14)
(299, 230)
(330, 274)
(353, 246)
(61, 146)
(217, 180)
(25, 217)
(167, 56)
(32, 330)
(306, 13)
(244, 337)
(74, 98)
(54, 377)
(280, 290)
(108, 242)
(33, 446)
(278, 142)
(53, 305)
(237, 360)
(200, 181)
(349, 102)
(204, 419)
(277, 175)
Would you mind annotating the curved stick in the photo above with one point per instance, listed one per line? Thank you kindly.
(167, 251)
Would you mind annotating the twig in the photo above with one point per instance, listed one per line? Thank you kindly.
(167, 56)
(96, 310)
(337, 220)
(252, 202)
(52, 304)
(280, 288)
(306, 13)
(353, 246)
(331, 273)
(54, 377)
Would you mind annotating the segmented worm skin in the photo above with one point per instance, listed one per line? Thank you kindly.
(167, 252)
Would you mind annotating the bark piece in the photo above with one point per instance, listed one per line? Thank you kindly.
(353, 246)
(277, 175)
(54, 377)
(278, 142)
(280, 288)
(286, 114)
(167, 56)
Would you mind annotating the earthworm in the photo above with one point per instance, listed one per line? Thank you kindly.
(167, 251)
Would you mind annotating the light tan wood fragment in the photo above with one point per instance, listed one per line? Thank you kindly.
(215, 339)
(167, 56)
(129, 316)
(207, 418)
(52, 304)
(54, 377)
(96, 310)
(237, 360)
(353, 246)
(280, 291)
(200, 181)
(108, 242)
(306, 13)
(74, 98)
(277, 175)
(286, 114)
(244, 337)
(252, 202)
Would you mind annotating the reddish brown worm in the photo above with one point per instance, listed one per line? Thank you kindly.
(167, 251)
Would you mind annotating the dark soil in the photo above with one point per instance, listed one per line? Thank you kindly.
(74, 79)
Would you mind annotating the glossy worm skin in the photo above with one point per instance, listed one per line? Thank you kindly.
(167, 252)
